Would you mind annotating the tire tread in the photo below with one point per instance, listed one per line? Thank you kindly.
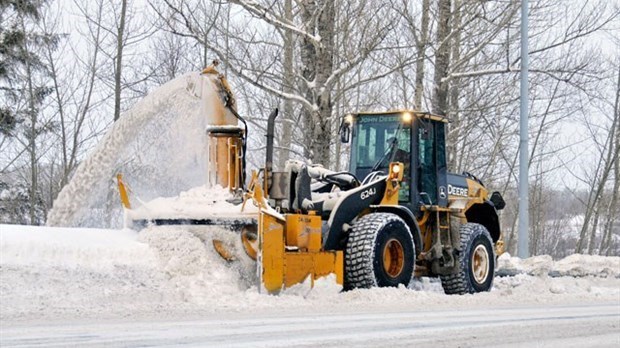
(359, 270)
(459, 283)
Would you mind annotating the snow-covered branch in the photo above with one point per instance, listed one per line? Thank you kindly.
(270, 17)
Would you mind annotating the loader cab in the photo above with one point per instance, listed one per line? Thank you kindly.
(414, 138)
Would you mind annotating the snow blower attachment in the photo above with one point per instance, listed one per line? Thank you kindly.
(226, 144)
(287, 248)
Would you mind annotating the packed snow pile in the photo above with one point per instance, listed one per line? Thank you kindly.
(575, 265)
(52, 273)
(72, 248)
(159, 145)
(195, 203)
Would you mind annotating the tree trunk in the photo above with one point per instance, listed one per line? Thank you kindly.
(31, 133)
(32, 146)
(455, 126)
(317, 66)
(607, 164)
(340, 110)
(442, 59)
(63, 123)
(119, 62)
(308, 53)
(287, 87)
(537, 223)
(612, 208)
(612, 211)
(421, 50)
(597, 215)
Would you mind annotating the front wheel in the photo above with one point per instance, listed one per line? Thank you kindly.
(476, 267)
(379, 252)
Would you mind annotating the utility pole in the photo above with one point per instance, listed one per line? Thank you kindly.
(524, 243)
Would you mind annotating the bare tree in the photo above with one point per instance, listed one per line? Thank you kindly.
(123, 29)
(608, 156)
(118, 61)
(321, 63)
(288, 81)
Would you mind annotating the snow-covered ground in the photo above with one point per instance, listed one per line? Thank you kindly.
(94, 286)
(50, 273)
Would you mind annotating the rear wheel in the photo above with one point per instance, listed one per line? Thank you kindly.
(379, 252)
(476, 262)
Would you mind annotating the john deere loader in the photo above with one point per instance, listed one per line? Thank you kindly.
(396, 213)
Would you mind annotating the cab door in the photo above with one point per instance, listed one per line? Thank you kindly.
(431, 169)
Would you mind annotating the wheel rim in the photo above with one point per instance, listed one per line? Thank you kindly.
(393, 258)
(480, 264)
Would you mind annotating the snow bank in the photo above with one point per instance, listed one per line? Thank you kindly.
(164, 271)
(575, 265)
(159, 145)
(54, 271)
(68, 247)
(187, 257)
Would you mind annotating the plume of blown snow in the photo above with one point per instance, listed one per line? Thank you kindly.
(159, 145)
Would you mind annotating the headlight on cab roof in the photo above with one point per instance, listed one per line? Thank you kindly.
(348, 118)
(407, 117)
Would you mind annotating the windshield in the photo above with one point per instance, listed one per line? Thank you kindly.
(372, 142)
(373, 137)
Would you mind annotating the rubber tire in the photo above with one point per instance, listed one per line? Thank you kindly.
(364, 251)
(463, 282)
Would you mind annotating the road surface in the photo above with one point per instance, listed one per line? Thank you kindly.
(556, 326)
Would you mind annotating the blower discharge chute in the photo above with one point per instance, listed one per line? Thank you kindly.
(407, 216)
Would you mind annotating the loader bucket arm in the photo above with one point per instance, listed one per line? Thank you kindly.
(350, 206)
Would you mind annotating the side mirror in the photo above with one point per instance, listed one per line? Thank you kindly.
(497, 200)
(345, 128)
(345, 134)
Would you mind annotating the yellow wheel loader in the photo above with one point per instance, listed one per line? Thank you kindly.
(397, 212)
